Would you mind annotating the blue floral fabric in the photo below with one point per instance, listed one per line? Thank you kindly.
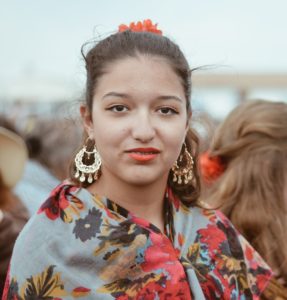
(85, 246)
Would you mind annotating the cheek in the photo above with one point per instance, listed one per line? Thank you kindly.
(174, 138)
(176, 130)
(110, 136)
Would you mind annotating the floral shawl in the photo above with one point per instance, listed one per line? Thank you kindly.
(87, 247)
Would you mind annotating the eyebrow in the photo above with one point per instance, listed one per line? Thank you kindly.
(122, 95)
(168, 97)
(114, 94)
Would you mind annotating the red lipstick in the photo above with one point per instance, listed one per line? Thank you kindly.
(143, 154)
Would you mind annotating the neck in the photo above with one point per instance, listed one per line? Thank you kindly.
(144, 201)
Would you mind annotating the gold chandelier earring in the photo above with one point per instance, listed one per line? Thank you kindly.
(183, 167)
(88, 162)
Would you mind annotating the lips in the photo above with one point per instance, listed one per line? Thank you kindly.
(143, 154)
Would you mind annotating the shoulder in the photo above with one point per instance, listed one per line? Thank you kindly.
(66, 202)
(215, 220)
(220, 232)
(214, 229)
(57, 236)
(231, 253)
(55, 220)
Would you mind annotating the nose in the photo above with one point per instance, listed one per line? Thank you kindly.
(143, 128)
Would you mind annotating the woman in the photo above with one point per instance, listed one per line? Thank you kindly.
(247, 171)
(136, 231)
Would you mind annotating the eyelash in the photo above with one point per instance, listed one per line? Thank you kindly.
(123, 108)
(171, 111)
(113, 108)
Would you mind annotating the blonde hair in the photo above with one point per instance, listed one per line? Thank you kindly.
(252, 192)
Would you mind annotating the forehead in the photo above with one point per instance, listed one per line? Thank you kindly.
(143, 72)
(139, 63)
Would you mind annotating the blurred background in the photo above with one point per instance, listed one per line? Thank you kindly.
(240, 44)
(238, 47)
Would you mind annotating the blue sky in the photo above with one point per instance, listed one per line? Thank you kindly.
(41, 40)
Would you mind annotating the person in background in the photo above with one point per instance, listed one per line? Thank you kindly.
(245, 171)
(46, 168)
(13, 214)
(128, 224)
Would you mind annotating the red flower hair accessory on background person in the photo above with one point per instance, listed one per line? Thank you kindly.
(145, 26)
(211, 167)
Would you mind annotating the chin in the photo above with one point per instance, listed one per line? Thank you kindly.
(143, 180)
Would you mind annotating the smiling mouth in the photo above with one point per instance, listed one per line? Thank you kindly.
(144, 150)
(143, 154)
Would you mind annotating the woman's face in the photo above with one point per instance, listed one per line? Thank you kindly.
(139, 120)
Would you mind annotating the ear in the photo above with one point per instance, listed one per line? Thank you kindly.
(87, 121)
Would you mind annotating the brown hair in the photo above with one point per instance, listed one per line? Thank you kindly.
(45, 135)
(132, 44)
(252, 192)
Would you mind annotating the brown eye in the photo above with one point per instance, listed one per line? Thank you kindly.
(167, 111)
(118, 108)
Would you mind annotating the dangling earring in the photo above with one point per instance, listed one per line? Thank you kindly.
(90, 171)
(186, 171)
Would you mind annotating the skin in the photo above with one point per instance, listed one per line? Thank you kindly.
(138, 103)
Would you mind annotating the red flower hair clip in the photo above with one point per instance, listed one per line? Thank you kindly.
(211, 167)
(145, 26)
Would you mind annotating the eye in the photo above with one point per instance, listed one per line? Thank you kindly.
(118, 108)
(167, 111)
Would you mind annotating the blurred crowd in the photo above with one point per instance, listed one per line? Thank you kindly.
(34, 158)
